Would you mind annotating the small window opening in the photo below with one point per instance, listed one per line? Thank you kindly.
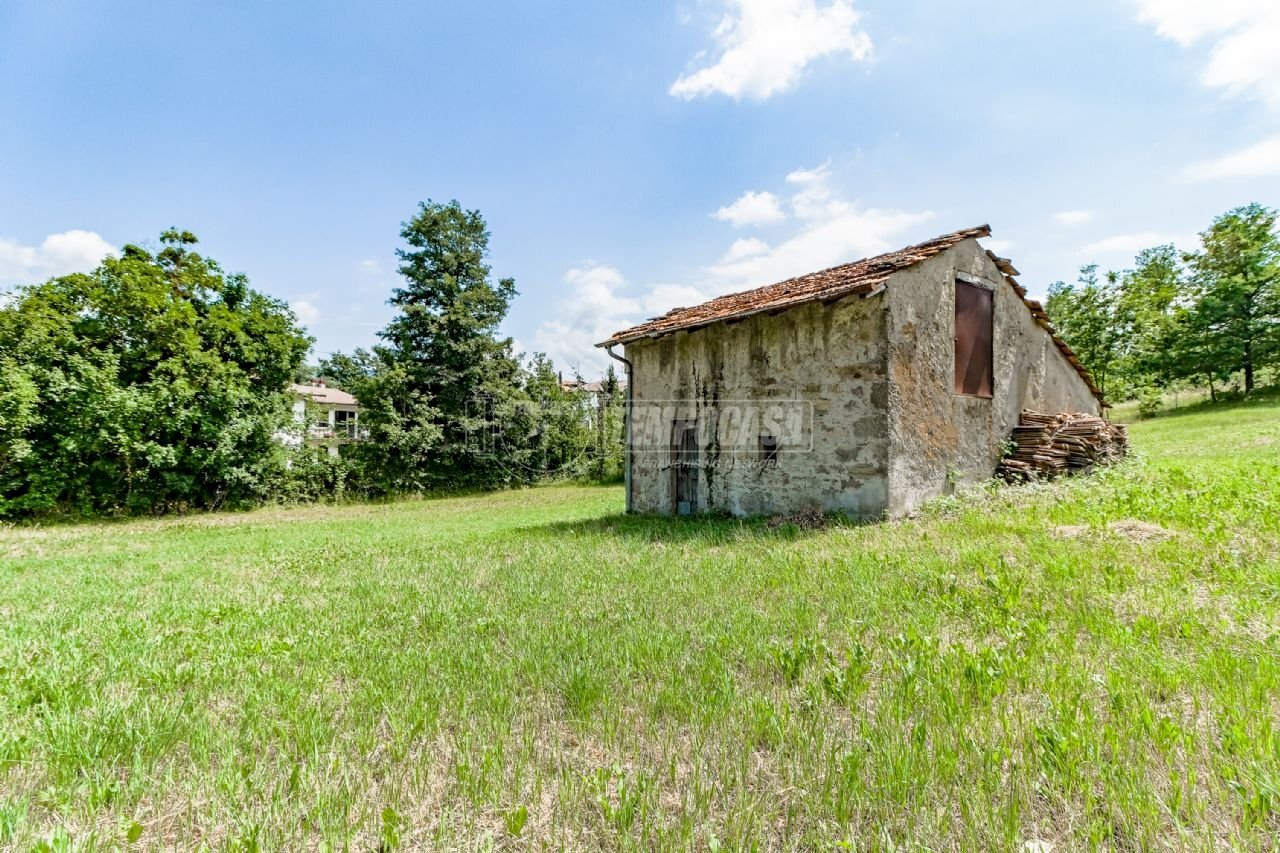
(768, 451)
(973, 340)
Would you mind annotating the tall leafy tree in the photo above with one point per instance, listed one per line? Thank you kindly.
(1235, 321)
(438, 393)
(609, 450)
(19, 397)
(558, 436)
(1086, 315)
(1150, 302)
(349, 371)
(155, 382)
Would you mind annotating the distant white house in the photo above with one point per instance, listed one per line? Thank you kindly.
(593, 391)
(326, 417)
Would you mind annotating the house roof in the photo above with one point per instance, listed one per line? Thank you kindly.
(590, 387)
(324, 394)
(865, 277)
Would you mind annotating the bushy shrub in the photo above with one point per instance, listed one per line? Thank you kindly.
(1150, 401)
(313, 475)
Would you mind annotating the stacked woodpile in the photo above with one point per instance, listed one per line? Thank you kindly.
(1049, 445)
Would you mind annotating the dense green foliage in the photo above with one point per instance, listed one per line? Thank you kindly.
(446, 402)
(1091, 664)
(1201, 317)
(154, 383)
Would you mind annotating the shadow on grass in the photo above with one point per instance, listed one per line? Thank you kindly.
(698, 529)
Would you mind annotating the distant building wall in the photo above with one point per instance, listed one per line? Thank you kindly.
(939, 439)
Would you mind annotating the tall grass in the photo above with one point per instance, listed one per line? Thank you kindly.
(1093, 664)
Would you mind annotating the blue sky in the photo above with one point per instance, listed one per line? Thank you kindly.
(629, 158)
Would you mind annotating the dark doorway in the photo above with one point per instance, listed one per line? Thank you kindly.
(684, 452)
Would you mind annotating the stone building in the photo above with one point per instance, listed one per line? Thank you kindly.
(867, 388)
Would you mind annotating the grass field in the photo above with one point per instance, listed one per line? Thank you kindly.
(1093, 663)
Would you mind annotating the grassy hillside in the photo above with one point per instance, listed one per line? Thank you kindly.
(1092, 663)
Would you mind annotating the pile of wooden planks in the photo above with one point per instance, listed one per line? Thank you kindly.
(1049, 445)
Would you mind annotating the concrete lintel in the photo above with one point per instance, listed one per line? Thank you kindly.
(977, 281)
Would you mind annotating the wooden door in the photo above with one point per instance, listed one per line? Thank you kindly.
(684, 447)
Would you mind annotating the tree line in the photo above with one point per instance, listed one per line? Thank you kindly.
(158, 383)
(1208, 318)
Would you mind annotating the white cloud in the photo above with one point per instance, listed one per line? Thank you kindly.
(745, 248)
(1000, 247)
(1073, 217)
(817, 175)
(307, 311)
(1243, 59)
(594, 309)
(1131, 244)
(369, 265)
(852, 234)
(58, 254)
(830, 230)
(765, 46)
(662, 298)
(814, 199)
(1260, 160)
(752, 208)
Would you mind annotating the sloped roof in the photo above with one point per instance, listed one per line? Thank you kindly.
(590, 387)
(324, 394)
(865, 277)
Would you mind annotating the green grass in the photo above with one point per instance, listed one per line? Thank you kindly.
(1193, 400)
(533, 669)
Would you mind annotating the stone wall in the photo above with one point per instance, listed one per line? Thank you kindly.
(827, 360)
(939, 439)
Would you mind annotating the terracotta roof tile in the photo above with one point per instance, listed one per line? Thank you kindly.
(864, 277)
(324, 394)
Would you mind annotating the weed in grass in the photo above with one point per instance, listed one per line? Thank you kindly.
(515, 819)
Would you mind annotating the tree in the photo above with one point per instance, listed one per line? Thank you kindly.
(1236, 278)
(609, 452)
(349, 371)
(19, 397)
(1149, 308)
(155, 382)
(1087, 317)
(437, 395)
(560, 420)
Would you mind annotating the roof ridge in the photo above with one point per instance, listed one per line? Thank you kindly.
(883, 262)
(980, 230)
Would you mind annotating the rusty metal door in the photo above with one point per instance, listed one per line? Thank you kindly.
(684, 446)
(973, 340)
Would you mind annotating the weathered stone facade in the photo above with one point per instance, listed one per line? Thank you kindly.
(832, 357)
(873, 376)
(939, 439)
